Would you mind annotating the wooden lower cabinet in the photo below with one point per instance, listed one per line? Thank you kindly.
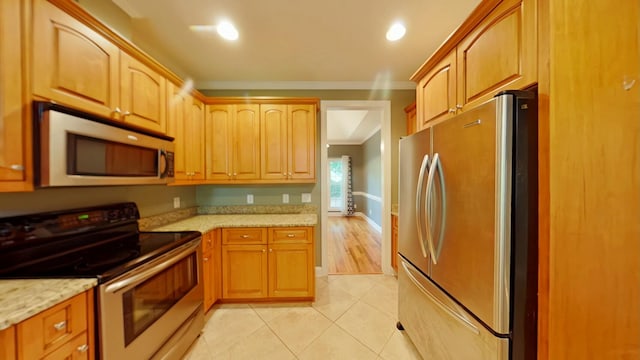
(64, 331)
(211, 268)
(282, 268)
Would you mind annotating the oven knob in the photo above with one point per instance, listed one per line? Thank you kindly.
(28, 228)
(6, 230)
(114, 215)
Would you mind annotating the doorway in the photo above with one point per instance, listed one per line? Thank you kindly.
(384, 109)
(336, 185)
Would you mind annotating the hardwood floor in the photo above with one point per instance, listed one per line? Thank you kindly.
(354, 246)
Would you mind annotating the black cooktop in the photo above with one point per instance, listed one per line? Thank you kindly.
(101, 242)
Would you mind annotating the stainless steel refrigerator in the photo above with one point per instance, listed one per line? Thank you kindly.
(467, 275)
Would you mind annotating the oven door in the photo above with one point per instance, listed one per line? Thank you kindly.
(154, 310)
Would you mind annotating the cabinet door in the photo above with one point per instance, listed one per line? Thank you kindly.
(219, 141)
(177, 128)
(291, 270)
(195, 131)
(302, 142)
(244, 271)
(76, 349)
(394, 242)
(246, 142)
(499, 54)
(8, 343)
(207, 279)
(216, 273)
(142, 95)
(273, 136)
(72, 64)
(436, 93)
(15, 144)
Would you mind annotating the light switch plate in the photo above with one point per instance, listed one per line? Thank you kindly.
(285, 198)
(306, 197)
(249, 198)
(176, 202)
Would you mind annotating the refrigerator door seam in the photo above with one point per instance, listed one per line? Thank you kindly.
(419, 200)
(432, 170)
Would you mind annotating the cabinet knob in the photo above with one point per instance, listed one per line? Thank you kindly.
(234, 174)
(229, 174)
(83, 348)
(452, 111)
(263, 250)
(126, 113)
(117, 110)
(459, 107)
(205, 259)
(270, 250)
(290, 235)
(245, 236)
(60, 326)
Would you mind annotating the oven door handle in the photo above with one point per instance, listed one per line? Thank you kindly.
(152, 268)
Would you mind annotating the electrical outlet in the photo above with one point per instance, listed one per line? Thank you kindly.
(285, 198)
(176, 202)
(249, 198)
(306, 197)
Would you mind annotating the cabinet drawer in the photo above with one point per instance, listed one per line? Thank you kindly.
(50, 329)
(290, 235)
(76, 349)
(244, 236)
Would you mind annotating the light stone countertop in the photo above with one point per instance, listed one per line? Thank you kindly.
(20, 299)
(204, 223)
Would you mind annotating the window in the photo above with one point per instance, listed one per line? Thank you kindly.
(336, 184)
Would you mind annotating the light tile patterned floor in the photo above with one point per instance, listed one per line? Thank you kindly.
(353, 317)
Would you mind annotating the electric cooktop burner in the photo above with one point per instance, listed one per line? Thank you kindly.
(101, 242)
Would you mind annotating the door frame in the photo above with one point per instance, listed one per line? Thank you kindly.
(384, 106)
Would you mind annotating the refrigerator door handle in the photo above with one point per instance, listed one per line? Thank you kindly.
(427, 205)
(419, 201)
(460, 317)
(443, 208)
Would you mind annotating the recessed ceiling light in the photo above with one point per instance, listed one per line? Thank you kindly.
(227, 31)
(396, 32)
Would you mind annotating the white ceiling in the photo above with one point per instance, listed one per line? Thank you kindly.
(352, 127)
(297, 44)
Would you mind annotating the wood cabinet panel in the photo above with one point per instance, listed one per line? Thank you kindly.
(411, 118)
(500, 53)
(244, 271)
(218, 142)
(212, 267)
(394, 242)
(436, 93)
(76, 349)
(286, 235)
(142, 95)
(291, 271)
(49, 330)
(72, 64)
(302, 142)
(273, 137)
(8, 343)
(246, 145)
(186, 125)
(16, 173)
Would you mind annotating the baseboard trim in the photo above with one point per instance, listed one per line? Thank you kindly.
(377, 227)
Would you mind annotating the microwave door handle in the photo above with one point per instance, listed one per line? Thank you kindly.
(164, 172)
(419, 201)
(443, 207)
(432, 170)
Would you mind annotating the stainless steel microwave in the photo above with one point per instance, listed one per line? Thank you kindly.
(73, 148)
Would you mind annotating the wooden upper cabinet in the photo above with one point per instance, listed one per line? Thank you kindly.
(246, 146)
(499, 54)
(436, 92)
(273, 137)
(72, 64)
(288, 136)
(15, 140)
(186, 125)
(232, 144)
(142, 94)
(411, 119)
(302, 142)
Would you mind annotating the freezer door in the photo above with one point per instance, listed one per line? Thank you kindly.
(439, 328)
(413, 168)
(470, 183)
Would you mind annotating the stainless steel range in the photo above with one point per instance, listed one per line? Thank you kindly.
(149, 295)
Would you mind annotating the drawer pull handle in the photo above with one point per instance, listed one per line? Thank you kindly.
(290, 235)
(83, 348)
(244, 236)
(60, 326)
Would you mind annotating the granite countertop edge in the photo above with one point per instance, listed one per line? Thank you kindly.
(21, 299)
(205, 223)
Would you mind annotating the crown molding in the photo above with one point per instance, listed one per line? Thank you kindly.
(304, 85)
